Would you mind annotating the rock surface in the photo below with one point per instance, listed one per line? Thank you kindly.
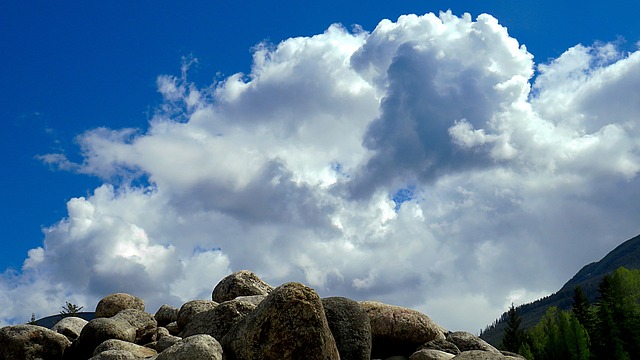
(431, 354)
(466, 341)
(136, 350)
(350, 327)
(27, 342)
(289, 323)
(217, 321)
(398, 331)
(70, 327)
(195, 347)
(241, 283)
(130, 325)
(189, 309)
(442, 345)
(114, 303)
(166, 314)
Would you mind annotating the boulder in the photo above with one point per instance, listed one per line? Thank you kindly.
(350, 327)
(115, 355)
(442, 345)
(478, 355)
(166, 314)
(128, 325)
(289, 323)
(431, 354)
(173, 328)
(217, 321)
(70, 327)
(190, 308)
(466, 341)
(193, 348)
(241, 283)
(136, 350)
(164, 340)
(398, 331)
(27, 342)
(114, 303)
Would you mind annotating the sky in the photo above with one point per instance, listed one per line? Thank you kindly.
(453, 157)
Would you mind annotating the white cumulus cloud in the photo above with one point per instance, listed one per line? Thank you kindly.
(510, 182)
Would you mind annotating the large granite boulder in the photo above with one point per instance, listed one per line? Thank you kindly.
(193, 348)
(241, 283)
(431, 354)
(166, 314)
(136, 350)
(114, 303)
(466, 341)
(350, 327)
(217, 321)
(115, 355)
(70, 327)
(441, 345)
(130, 325)
(31, 342)
(398, 331)
(190, 308)
(479, 355)
(289, 324)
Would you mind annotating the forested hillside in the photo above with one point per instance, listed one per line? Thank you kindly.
(588, 278)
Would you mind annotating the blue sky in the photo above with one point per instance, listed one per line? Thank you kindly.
(72, 68)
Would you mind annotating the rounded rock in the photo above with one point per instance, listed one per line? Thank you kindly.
(241, 283)
(112, 304)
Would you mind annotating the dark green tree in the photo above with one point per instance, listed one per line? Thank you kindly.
(70, 309)
(514, 336)
(583, 311)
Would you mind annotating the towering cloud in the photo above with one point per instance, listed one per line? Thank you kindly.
(420, 164)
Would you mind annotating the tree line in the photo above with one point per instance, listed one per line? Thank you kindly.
(607, 329)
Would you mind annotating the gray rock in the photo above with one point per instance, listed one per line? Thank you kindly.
(136, 350)
(479, 355)
(114, 355)
(70, 327)
(512, 355)
(166, 342)
(193, 348)
(289, 323)
(398, 331)
(350, 327)
(128, 325)
(466, 341)
(431, 354)
(217, 322)
(442, 345)
(241, 283)
(190, 308)
(114, 303)
(173, 328)
(166, 314)
(27, 342)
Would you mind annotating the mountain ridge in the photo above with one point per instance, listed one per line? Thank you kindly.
(588, 277)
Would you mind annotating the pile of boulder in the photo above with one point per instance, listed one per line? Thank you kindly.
(247, 319)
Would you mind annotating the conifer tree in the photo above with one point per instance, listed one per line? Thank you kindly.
(513, 335)
(70, 309)
(583, 311)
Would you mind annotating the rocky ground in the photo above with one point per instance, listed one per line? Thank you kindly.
(247, 319)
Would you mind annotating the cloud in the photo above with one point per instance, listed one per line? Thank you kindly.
(421, 164)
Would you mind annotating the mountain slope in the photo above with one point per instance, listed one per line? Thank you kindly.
(626, 254)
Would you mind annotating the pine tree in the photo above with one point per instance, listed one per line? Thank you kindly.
(583, 311)
(513, 334)
(70, 309)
